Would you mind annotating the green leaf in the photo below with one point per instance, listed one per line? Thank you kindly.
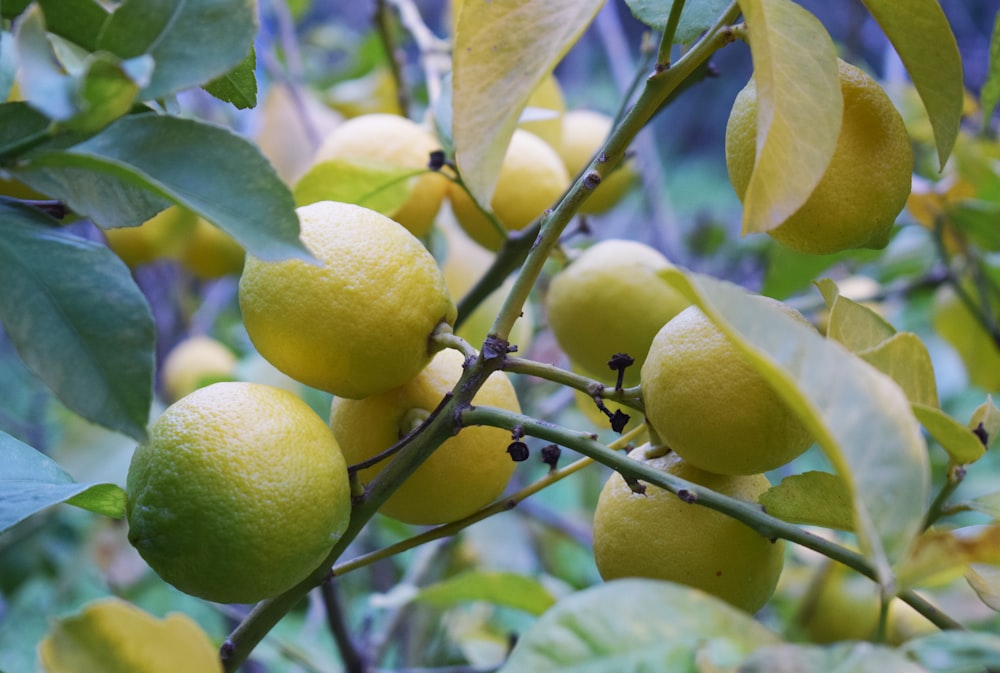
(696, 17)
(989, 95)
(812, 498)
(848, 657)
(8, 64)
(207, 169)
(44, 85)
(502, 51)
(799, 109)
(380, 187)
(961, 444)
(985, 581)
(633, 625)
(19, 122)
(77, 319)
(32, 482)
(955, 651)
(191, 42)
(905, 359)
(112, 636)
(986, 419)
(79, 21)
(851, 324)
(919, 31)
(987, 504)
(239, 85)
(499, 588)
(107, 90)
(860, 417)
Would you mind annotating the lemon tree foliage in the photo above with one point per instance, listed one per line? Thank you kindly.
(322, 346)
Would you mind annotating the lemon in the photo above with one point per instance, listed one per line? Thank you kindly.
(193, 363)
(610, 300)
(360, 323)
(162, 236)
(957, 325)
(583, 133)
(465, 473)
(238, 494)
(543, 113)
(531, 180)
(659, 536)
(866, 183)
(210, 252)
(711, 407)
(388, 140)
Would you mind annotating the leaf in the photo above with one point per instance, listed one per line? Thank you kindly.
(696, 17)
(989, 95)
(239, 85)
(499, 588)
(940, 556)
(8, 64)
(985, 581)
(986, 419)
(107, 90)
(43, 83)
(208, 169)
(905, 359)
(987, 504)
(799, 109)
(79, 21)
(380, 187)
(813, 499)
(851, 324)
(77, 320)
(502, 51)
(955, 651)
(19, 122)
(632, 625)
(860, 417)
(919, 31)
(848, 657)
(112, 636)
(961, 444)
(33, 482)
(191, 42)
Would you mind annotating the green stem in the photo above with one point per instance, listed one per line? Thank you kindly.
(667, 41)
(956, 473)
(630, 397)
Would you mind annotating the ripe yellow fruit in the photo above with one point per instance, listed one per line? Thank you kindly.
(238, 494)
(583, 133)
(866, 183)
(465, 473)
(162, 236)
(531, 180)
(210, 252)
(710, 406)
(194, 363)
(388, 140)
(958, 326)
(359, 324)
(659, 536)
(543, 113)
(610, 300)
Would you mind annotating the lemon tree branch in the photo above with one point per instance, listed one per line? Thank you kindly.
(630, 397)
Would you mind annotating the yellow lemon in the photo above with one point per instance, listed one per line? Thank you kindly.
(531, 180)
(238, 494)
(210, 252)
(194, 363)
(465, 473)
(866, 183)
(710, 406)
(543, 113)
(163, 236)
(583, 133)
(610, 300)
(359, 323)
(659, 536)
(388, 140)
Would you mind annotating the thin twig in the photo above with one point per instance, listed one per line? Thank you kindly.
(383, 25)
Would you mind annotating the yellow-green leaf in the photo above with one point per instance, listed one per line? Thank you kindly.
(112, 636)
(502, 51)
(985, 581)
(961, 444)
(987, 504)
(378, 187)
(854, 325)
(940, 556)
(904, 357)
(919, 31)
(859, 417)
(985, 421)
(812, 498)
(799, 109)
(499, 588)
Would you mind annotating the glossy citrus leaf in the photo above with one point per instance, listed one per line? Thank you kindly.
(811, 498)
(940, 556)
(989, 96)
(499, 588)
(985, 421)
(955, 651)
(859, 417)
(44, 84)
(905, 359)
(107, 90)
(376, 186)
(502, 51)
(696, 17)
(799, 109)
(919, 31)
(633, 625)
(985, 581)
(32, 482)
(112, 636)
(191, 42)
(77, 319)
(961, 444)
(239, 85)
(854, 325)
(79, 21)
(848, 657)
